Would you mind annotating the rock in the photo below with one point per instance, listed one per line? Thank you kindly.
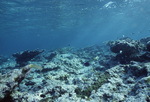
(145, 40)
(86, 64)
(140, 91)
(148, 46)
(137, 70)
(23, 57)
(50, 56)
(125, 46)
(3, 59)
(10, 81)
(127, 50)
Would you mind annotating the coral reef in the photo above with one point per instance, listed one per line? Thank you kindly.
(125, 46)
(9, 81)
(96, 73)
(23, 57)
(128, 49)
(3, 59)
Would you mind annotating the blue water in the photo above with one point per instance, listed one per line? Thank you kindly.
(50, 24)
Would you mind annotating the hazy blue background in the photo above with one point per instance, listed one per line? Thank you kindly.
(48, 24)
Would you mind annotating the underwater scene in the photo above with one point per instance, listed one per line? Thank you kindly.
(75, 51)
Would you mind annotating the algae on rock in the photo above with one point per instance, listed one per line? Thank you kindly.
(102, 79)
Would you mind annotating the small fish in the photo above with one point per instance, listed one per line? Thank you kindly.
(36, 66)
(120, 52)
(29, 66)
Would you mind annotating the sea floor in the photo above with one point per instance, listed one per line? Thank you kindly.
(116, 72)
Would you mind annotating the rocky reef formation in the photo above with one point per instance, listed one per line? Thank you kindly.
(11, 80)
(92, 74)
(146, 42)
(23, 57)
(128, 50)
(3, 59)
